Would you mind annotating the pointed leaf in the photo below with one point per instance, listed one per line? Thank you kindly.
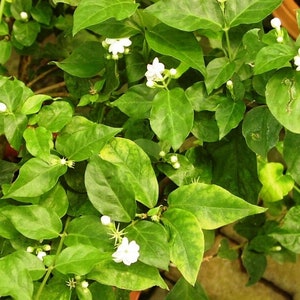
(111, 195)
(288, 235)
(34, 103)
(34, 221)
(131, 160)
(228, 115)
(86, 60)
(81, 138)
(261, 130)
(275, 184)
(137, 276)
(153, 241)
(273, 57)
(216, 206)
(172, 116)
(99, 11)
(35, 178)
(291, 144)
(283, 98)
(186, 242)
(190, 14)
(178, 44)
(39, 141)
(78, 259)
(219, 70)
(249, 11)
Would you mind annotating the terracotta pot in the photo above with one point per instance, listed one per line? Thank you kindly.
(287, 14)
(135, 295)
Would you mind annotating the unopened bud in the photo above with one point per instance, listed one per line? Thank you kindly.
(24, 15)
(84, 284)
(3, 107)
(105, 220)
(176, 165)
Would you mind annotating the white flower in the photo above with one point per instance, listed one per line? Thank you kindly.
(276, 23)
(128, 253)
(3, 107)
(174, 159)
(84, 284)
(105, 220)
(297, 60)
(24, 15)
(41, 255)
(154, 72)
(173, 72)
(176, 165)
(117, 45)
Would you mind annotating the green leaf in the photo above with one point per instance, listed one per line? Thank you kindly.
(216, 207)
(78, 259)
(205, 127)
(228, 115)
(235, 166)
(5, 51)
(34, 221)
(15, 279)
(81, 138)
(36, 177)
(14, 126)
(55, 116)
(119, 201)
(100, 11)
(288, 235)
(261, 130)
(7, 230)
(275, 184)
(137, 101)
(283, 98)
(219, 70)
(171, 117)
(8, 170)
(88, 230)
(186, 242)
(273, 57)
(291, 154)
(255, 264)
(55, 200)
(39, 141)
(226, 252)
(26, 32)
(190, 14)
(153, 241)
(137, 276)
(249, 11)
(33, 104)
(42, 13)
(134, 162)
(86, 60)
(184, 291)
(178, 44)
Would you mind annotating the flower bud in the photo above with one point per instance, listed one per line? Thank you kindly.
(3, 107)
(176, 165)
(162, 153)
(46, 247)
(29, 249)
(41, 255)
(24, 15)
(84, 284)
(105, 220)
(276, 23)
(174, 159)
(173, 72)
(279, 39)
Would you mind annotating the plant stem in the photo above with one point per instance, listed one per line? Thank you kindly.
(41, 76)
(50, 268)
(2, 4)
(229, 50)
(50, 87)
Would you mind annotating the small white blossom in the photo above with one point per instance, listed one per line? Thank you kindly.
(46, 247)
(279, 39)
(116, 46)
(71, 283)
(229, 84)
(276, 23)
(162, 153)
(128, 253)
(41, 255)
(29, 249)
(154, 72)
(174, 159)
(173, 72)
(105, 220)
(176, 165)
(3, 107)
(84, 284)
(24, 15)
(297, 60)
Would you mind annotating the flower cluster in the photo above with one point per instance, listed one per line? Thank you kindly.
(117, 47)
(276, 24)
(127, 252)
(156, 72)
(41, 252)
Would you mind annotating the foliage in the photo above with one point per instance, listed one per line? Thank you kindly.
(132, 132)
